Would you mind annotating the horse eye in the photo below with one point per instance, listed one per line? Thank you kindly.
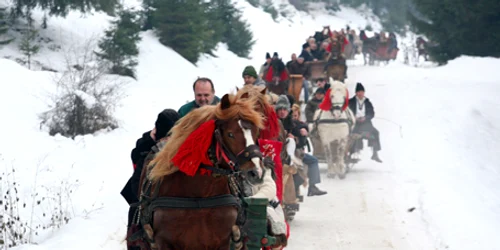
(230, 135)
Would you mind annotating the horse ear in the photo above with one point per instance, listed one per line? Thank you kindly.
(244, 96)
(264, 91)
(224, 102)
(237, 89)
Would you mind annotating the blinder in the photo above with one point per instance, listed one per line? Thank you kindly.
(235, 161)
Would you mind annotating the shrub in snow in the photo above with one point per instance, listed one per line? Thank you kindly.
(85, 97)
(23, 217)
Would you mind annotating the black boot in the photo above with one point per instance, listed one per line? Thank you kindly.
(313, 190)
(375, 157)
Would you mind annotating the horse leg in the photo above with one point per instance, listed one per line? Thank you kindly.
(341, 157)
(335, 158)
(329, 161)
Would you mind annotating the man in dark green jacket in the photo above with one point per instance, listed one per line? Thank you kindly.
(204, 94)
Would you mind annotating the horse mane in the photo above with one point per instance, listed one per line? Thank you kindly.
(239, 109)
(271, 124)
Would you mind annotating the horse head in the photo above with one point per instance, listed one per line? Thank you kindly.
(336, 50)
(277, 70)
(339, 97)
(238, 128)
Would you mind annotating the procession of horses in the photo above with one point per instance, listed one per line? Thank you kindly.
(225, 176)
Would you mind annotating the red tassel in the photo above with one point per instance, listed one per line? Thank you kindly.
(193, 151)
(272, 127)
(326, 104)
(284, 76)
(269, 75)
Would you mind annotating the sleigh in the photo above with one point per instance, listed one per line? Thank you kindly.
(295, 86)
(255, 230)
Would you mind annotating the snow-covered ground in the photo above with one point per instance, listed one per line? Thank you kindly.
(439, 130)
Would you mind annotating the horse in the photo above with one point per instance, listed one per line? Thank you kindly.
(191, 191)
(368, 49)
(334, 122)
(336, 63)
(276, 77)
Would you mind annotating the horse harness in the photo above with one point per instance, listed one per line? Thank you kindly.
(149, 200)
(330, 121)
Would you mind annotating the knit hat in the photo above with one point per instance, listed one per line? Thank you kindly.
(166, 120)
(250, 71)
(359, 87)
(268, 56)
(282, 103)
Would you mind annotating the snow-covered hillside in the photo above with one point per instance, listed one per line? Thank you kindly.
(438, 126)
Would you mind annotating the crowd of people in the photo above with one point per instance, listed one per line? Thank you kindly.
(287, 109)
(318, 47)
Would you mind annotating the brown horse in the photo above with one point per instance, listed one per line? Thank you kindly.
(191, 197)
(277, 77)
(336, 63)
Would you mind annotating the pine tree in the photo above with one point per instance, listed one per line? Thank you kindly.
(231, 29)
(28, 45)
(183, 26)
(239, 37)
(459, 27)
(4, 28)
(119, 45)
(62, 8)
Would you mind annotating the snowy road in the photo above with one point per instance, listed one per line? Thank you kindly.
(363, 211)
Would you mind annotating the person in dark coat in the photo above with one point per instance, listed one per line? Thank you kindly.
(151, 139)
(306, 53)
(312, 105)
(364, 112)
(300, 131)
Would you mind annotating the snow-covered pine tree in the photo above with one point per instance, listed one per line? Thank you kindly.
(119, 45)
(28, 45)
(4, 28)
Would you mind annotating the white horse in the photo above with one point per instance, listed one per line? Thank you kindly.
(334, 122)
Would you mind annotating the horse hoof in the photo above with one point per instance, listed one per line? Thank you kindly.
(341, 176)
(330, 175)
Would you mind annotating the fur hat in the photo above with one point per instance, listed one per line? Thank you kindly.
(250, 71)
(166, 120)
(282, 103)
(268, 56)
(320, 91)
(359, 87)
(272, 98)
